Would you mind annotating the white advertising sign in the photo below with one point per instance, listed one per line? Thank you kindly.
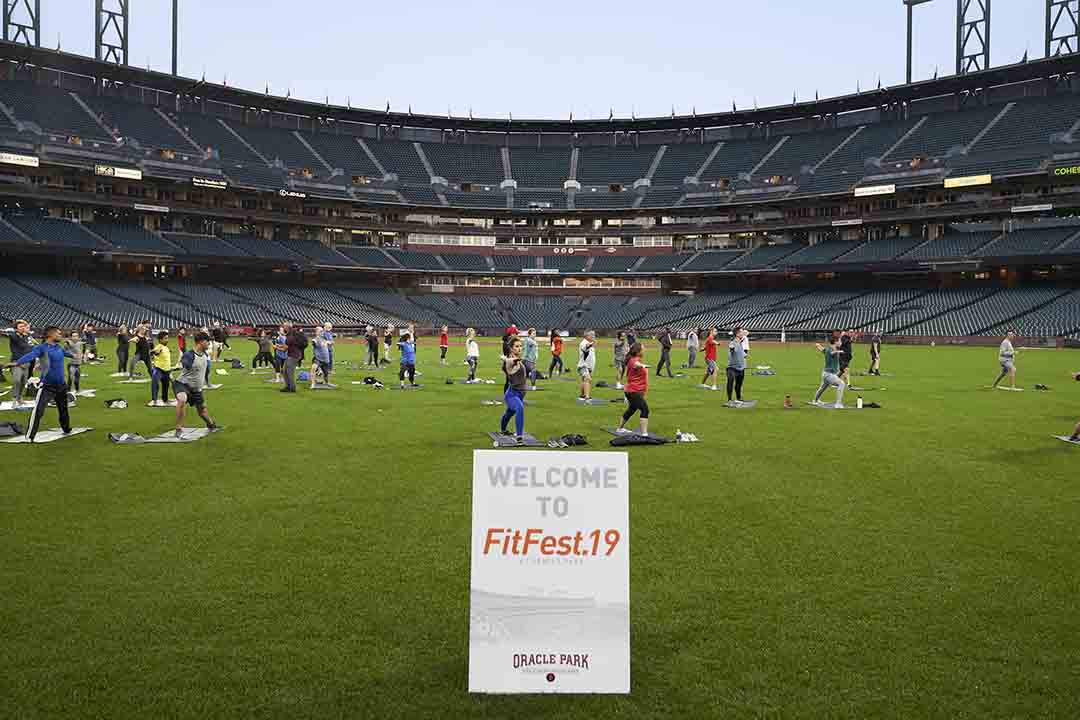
(869, 190)
(1043, 207)
(16, 159)
(550, 588)
(118, 172)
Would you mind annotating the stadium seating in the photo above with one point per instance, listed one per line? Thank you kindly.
(820, 254)
(540, 167)
(51, 109)
(476, 199)
(616, 264)
(467, 262)
(55, 231)
(953, 244)
(542, 313)
(419, 195)
(661, 263)
(680, 162)
(343, 151)
(317, 252)
(1029, 241)
(134, 239)
(931, 305)
(370, 257)
(261, 248)
(603, 199)
(526, 199)
(139, 121)
(481, 311)
(605, 165)
(280, 144)
(9, 235)
(417, 260)
(401, 158)
(19, 301)
(475, 163)
(871, 142)
(566, 263)
(1031, 122)
(943, 131)
(513, 263)
(763, 256)
(737, 156)
(804, 150)
(104, 308)
(986, 313)
(880, 250)
(344, 307)
(204, 245)
(711, 260)
(1059, 318)
(210, 133)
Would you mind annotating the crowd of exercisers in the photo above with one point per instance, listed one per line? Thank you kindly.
(58, 356)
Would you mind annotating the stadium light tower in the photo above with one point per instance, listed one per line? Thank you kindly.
(20, 20)
(910, 19)
(111, 31)
(1062, 27)
(972, 35)
(175, 14)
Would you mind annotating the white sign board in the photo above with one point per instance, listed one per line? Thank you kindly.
(550, 590)
(869, 190)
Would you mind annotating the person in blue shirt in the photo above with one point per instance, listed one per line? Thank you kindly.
(281, 352)
(407, 349)
(53, 382)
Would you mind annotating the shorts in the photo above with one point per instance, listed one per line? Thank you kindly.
(844, 362)
(1008, 365)
(194, 397)
(324, 366)
(584, 373)
(710, 366)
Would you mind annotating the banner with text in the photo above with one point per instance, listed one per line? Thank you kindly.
(550, 589)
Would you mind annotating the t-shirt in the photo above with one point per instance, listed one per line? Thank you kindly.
(444, 340)
(321, 348)
(665, 341)
(710, 348)
(162, 357)
(122, 340)
(193, 367)
(142, 345)
(518, 377)
(620, 350)
(52, 362)
(408, 352)
(736, 355)
(1006, 352)
(280, 341)
(637, 376)
(295, 344)
(75, 347)
(472, 348)
(373, 341)
(264, 342)
(181, 342)
(556, 345)
(586, 355)
(691, 340)
(832, 360)
(532, 350)
(845, 347)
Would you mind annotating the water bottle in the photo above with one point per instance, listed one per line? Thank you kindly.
(787, 401)
(678, 435)
(858, 402)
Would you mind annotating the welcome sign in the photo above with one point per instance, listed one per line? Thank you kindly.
(550, 591)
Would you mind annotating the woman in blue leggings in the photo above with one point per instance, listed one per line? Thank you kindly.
(517, 379)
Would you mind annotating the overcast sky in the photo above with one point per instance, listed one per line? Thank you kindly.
(548, 58)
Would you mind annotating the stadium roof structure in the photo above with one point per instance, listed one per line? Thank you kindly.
(971, 83)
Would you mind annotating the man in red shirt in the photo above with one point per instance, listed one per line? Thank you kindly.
(444, 344)
(710, 360)
(637, 384)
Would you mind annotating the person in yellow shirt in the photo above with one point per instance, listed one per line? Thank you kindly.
(161, 357)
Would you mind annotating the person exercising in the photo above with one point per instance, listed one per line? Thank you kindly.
(407, 351)
(665, 353)
(517, 383)
(556, 343)
(637, 385)
(875, 354)
(53, 388)
(189, 385)
(736, 366)
(472, 353)
(710, 360)
(586, 365)
(1007, 360)
(830, 375)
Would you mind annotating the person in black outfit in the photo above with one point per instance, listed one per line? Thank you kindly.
(665, 353)
(846, 353)
(123, 349)
(142, 349)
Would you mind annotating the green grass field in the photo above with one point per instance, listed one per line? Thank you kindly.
(921, 560)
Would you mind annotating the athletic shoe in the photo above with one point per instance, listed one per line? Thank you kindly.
(618, 386)
(816, 403)
(216, 428)
(623, 431)
(519, 440)
(178, 434)
(838, 406)
(715, 388)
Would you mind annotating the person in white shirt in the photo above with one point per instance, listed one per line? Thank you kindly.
(472, 353)
(587, 363)
(691, 347)
(1007, 358)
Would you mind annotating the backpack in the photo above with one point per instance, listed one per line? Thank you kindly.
(304, 376)
(236, 364)
(574, 439)
(116, 404)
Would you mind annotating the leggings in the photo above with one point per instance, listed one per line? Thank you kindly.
(57, 394)
(264, 358)
(637, 404)
(735, 380)
(143, 358)
(665, 359)
(692, 359)
(74, 376)
(515, 408)
(163, 377)
(555, 360)
(442, 352)
(829, 379)
(122, 353)
(409, 370)
(472, 366)
(373, 355)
